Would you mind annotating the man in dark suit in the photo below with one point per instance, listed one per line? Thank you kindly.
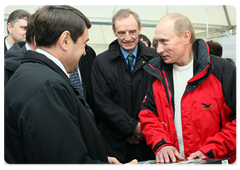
(46, 120)
(16, 28)
(14, 56)
(81, 79)
(119, 86)
(85, 66)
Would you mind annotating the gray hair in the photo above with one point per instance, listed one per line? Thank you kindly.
(124, 13)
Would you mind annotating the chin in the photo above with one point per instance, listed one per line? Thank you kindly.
(129, 48)
(167, 61)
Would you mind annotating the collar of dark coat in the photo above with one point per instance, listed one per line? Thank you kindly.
(32, 56)
(114, 50)
(201, 58)
(13, 52)
(14, 55)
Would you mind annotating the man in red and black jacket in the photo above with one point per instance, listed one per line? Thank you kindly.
(189, 110)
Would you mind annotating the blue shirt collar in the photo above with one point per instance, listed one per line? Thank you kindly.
(125, 53)
(7, 45)
(28, 47)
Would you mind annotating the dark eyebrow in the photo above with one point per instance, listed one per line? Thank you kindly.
(120, 31)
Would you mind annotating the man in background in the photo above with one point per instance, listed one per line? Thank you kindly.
(14, 56)
(16, 28)
(215, 48)
(81, 79)
(145, 40)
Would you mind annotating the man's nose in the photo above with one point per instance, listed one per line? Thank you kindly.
(160, 48)
(127, 36)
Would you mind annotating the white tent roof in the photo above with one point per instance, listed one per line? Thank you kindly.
(221, 19)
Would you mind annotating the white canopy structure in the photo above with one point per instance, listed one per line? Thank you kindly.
(211, 22)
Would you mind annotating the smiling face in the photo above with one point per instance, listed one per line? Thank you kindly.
(77, 50)
(127, 31)
(170, 46)
(69, 52)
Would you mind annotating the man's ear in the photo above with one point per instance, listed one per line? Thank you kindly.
(9, 26)
(186, 36)
(64, 40)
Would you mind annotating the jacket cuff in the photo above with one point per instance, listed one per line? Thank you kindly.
(207, 151)
(132, 124)
(160, 145)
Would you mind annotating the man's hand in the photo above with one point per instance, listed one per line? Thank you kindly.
(196, 155)
(133, 140)
(134, 161)
(168, 153)
(113, 160)
(137, 131)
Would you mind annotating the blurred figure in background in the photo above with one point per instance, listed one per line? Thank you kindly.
(14, 56)
(231, 61)
(145, 40)
(215, 48)
(16, 28)
(154, 43)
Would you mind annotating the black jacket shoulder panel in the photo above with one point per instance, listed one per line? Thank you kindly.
(225, 72)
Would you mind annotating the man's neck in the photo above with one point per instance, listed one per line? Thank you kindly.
(32, 46)
(186, 59)
(10, 40)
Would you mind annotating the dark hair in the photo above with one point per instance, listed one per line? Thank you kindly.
(145, 38)
(16, 15)
(215, 48)
(51, 21)
(30, 31)
(154, 43)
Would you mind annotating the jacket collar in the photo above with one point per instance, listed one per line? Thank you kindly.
(14, 56)
(114, 50)
(201, 58)
(32, 56)
(14, 51)
(201, 55)
(202, 63)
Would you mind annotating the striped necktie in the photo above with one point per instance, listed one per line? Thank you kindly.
(130, 58)
(75, 80)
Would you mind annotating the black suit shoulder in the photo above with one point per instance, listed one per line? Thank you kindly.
(4, 47)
